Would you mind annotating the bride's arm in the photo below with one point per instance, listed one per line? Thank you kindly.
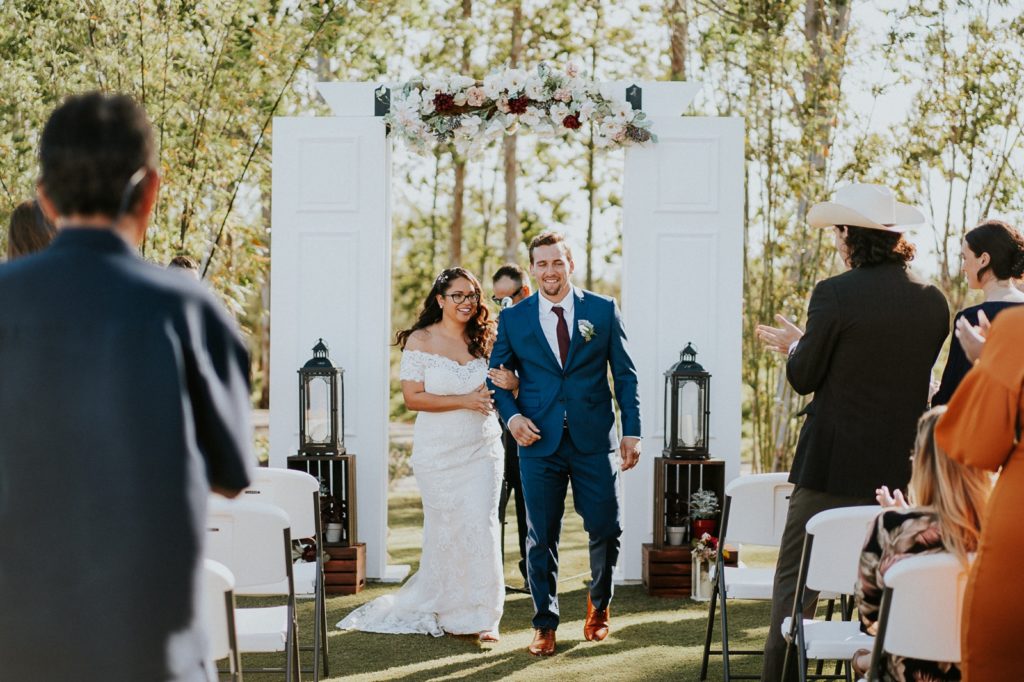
(417, 398)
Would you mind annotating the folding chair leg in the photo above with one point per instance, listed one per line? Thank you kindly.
(323, 628)
(727, 676)
(830, 608)
(317, 625)
(710, 631)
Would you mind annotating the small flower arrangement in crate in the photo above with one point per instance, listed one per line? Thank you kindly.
(704, 552)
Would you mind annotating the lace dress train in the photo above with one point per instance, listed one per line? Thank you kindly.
(457, 460)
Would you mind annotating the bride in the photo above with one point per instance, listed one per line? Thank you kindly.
(457, 458)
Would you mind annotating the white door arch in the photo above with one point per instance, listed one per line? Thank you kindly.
(330, 260)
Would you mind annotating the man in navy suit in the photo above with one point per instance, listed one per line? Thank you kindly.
(124, 401)
(562, 341)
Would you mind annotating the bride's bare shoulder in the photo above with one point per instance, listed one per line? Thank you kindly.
(419, 340)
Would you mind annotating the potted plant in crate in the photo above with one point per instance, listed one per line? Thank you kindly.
(677, 521)
(335, 521)
(703, 510)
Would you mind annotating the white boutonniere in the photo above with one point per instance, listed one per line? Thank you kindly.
(587, 330)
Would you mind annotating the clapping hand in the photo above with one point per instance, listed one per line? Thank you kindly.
(890, 501)
(779, 339)
(971, 337)
(480, 400)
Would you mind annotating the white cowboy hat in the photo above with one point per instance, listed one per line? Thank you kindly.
(864, 205)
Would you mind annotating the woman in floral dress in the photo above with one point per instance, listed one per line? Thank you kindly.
(943, 514)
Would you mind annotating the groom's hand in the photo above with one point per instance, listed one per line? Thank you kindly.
(524, 430)
(629, 451)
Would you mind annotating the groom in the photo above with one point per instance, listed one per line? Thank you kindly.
(561, 341)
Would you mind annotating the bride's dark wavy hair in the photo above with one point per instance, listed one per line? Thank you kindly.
(480, 328)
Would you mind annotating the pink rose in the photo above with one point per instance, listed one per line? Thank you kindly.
(475, 96)
(562, 94)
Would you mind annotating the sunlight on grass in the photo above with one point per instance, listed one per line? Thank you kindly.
(652, 638)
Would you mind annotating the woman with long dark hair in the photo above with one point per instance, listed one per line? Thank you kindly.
(993, 258)
(457, 458)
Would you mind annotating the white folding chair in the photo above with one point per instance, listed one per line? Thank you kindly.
(754, 513)
(219, 616)
(921, 610)
(830, 562)
(298, 494)
(254, 541)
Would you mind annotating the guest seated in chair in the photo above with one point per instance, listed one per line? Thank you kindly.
(942, 513)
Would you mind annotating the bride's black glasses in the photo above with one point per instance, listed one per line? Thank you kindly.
(460, 297)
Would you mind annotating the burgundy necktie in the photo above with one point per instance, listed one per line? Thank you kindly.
(562, 332)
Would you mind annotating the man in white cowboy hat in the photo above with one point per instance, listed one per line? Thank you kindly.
(873, 334)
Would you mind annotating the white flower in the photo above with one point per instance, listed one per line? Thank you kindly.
(470, 125)
(427, 106)
(536, 90)
(622, 112)
(458, 82)
(435, 85)
(562, 94)
(587, 110)
(460, 99)
(587, 329)
(502, 104)
(515, 80)
(572, 69)
(531, 116)
(493, 84)
(558, 113)
(495, 128)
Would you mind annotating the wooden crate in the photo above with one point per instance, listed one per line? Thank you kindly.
(345, 571)
(681, 478)
(666, 572)
(339, 473)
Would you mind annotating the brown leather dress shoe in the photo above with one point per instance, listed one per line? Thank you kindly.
(595, 628)
(543, 643)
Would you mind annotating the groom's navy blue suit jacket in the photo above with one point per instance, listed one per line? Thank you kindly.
(579, 393)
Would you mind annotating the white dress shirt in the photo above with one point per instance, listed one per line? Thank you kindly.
(549, 321)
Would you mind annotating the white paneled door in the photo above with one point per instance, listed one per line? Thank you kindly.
(331, 279)
(682, 278)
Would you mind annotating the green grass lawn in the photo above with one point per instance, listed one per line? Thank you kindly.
(652, 638)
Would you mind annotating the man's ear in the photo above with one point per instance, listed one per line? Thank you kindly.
(148, 188)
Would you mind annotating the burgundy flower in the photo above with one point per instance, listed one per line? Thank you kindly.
(517, 105)
(571, 122)
(443, 102)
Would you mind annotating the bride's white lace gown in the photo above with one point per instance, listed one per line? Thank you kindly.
(457, 457)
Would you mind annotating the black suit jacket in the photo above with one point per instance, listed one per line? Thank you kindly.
(873, 335)
(123, 391)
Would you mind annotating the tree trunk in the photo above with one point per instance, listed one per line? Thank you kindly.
(459, 198)
(678, 24)
(509, 148)
(455, 240)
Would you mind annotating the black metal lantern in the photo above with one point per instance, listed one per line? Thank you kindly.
(321, 405)
(687, 408)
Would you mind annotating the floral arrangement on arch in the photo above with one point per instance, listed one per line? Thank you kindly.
(469, 114)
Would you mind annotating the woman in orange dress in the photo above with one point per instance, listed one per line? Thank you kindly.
(982, 429)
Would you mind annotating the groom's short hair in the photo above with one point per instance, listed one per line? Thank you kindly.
(513, 271)
(547, 239)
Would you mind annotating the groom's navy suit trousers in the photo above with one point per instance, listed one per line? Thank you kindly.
(572, 407)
